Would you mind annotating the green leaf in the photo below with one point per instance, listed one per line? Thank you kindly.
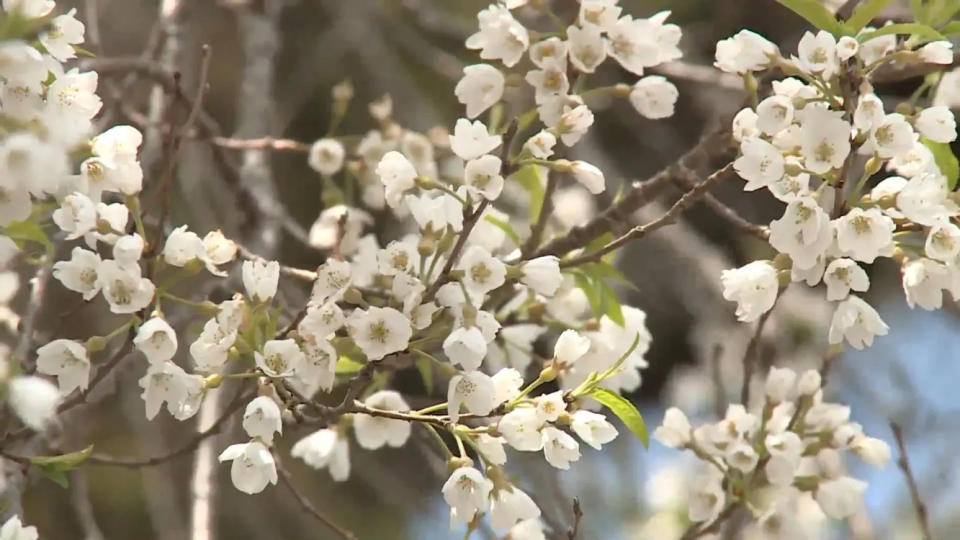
(347, 365)
(951, 28)
(913, 29)
(64, 462)
(609, 302)
(918, 10)
(945, 159)
(529, 178)
(506, 228)
(816, 14)
(585, 284)
(625, 411)
(525, 119)
(865, 12)
(55, 475)
(425, 367)
(22, 232)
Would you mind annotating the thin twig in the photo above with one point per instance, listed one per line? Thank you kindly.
(904, 463)
(470, 219)
(238, 401)
(668, 218)
(308, 506)
(730, 215)
(714, 146)
(577, 516)
(546, 209)
(749, 360)
(28, 323)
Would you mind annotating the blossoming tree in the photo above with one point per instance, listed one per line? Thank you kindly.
(430, 265)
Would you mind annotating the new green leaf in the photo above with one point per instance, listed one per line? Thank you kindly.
(625, 411)
(529, 178)
(816, 14)
(865, 12)
(946, 161)
(913, 29)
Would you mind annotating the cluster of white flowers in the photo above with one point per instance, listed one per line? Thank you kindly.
(791, 448)
(815, 143)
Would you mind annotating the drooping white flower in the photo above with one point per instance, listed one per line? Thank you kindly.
(482, 177)
(117, 149)
(521, 429)
(869, 112)
(825, 139)
(34, 400)
(706, 498)
(744, 52)
(818, 53)
(865, 235)
(753, 287)
(675, 431)
(261, 419)
(501, 37)
(474, 390)
(589, 176)
(638, 44)
(847, 48)
(325, 448)
(76, 216)
(326, 232)
(548, 82)
(379, 331)
(843, 275)
(80, 272)
(570, 347)
(164, 382)
(374, 432)
(482, 271)
(465, 346)
(559, 448)
(873, 451)
(593, 428)
(804, 232)
(550, 50)
(333, 278)
(587, 48)
(128, 249)
(760, 163)
(217, 250)
(480, 88)
(182, 246)
(542, 274)
(30, 9)
(857, 322)
(156, 340)
(122, 286)
(923, 283)
(210, 350)
(780, 384)
(280, 357)
(510, 505)
(600, 13)
(744, 125)
(924, 199)
(397, 175)
(318, 369)
(839, 498)
(326, 156)
(506, 385)
(492, 448)
(774, 114)
(471, 140)
(260, 279)
(253, 466)
(436, 213)
(541, 145)
(467, 491)
(654, 97)
(573, 123)
(13, 529)
(937, 124)
(937, 52)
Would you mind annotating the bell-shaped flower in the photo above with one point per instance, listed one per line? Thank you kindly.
(253, 467)
(156, 340)
(325, 448)
(374, 432)
(261, 419)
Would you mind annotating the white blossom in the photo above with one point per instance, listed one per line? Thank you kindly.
(774, 114)
(260, 279)
(325, 448)
(818, 53)
(326, 156)
(572, 124)
(379, 331)
(471, 140)
(923, 283)
(675, 431)
(857, 322)
(501, 37)
(482, 271)
(559, 448)
(654, 97)
(760, 163)
(373, 432)
(542, 274)
(510, 505)
(865, 235)
(79, 274)
(937, 124)
(593, 428)
(753, 287)
(706, 498)
(825, 139)
(467, 491)
(521, 429)
(843, 275)
(804, 232)
(261, 419)
(937, 52)
(550, 406)
(892, 136)
(744, 52)
(570, 347)
(253, 467)
(474, 390)
(839, 498)
(397, 175)
(541, 145)
(943, 241)
(482, 177)
(156, 340)
(587, 48)
(122, 286)
(280, 357)
(588, 176)
(33, 400)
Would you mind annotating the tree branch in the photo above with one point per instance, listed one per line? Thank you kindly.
(904, 463)
(287, 480)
